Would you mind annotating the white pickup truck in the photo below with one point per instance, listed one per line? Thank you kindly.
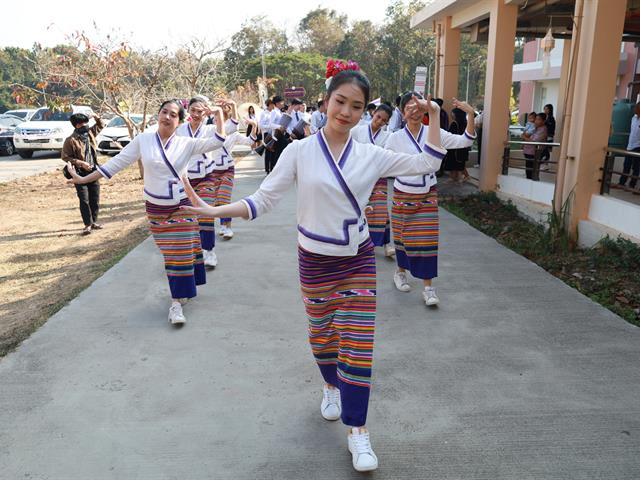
(46, 130)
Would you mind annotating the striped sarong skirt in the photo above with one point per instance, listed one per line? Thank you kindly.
(205, 188)
(176, 235)
(223, 187)
(378, 218)
(416, 226)
(339, 295)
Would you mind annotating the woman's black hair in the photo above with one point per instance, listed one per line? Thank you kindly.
(460, 118)
(351, 76)
(383, 107)
(181, 113)
(550, 107)
(406, 98)
(251, 108)
(198, 99)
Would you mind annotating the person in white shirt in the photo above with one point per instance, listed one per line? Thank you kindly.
(368, 115)
(277, 132)
(335, 175)
(199, 170)
(414, 214)
(265, 124)
(378, 208)
(223, 170)
(632, 164)
(396, 122)
(319, 117)
(296, 113)
(166, 157)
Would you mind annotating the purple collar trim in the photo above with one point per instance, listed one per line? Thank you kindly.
(415, 141)
(373, 137)
(194, 135)
(163, 152)
(327, 153)
(336, 172)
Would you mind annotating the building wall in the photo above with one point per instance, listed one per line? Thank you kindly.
(628, 62)
(546, 91)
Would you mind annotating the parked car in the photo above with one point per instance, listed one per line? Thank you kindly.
(25, 114)
(46, 130)
(515, 132)
(115, 136)
(8, 124)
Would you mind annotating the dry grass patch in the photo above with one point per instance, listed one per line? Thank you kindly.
(44, 261)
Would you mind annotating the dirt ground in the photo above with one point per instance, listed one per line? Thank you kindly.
(44, 261)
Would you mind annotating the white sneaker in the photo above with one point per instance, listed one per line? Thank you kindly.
(389, 251)
(364, 460)
(430, 296)
(331, 407)
(400, 279)
(227, 233)
(176, 317)
(210, 258)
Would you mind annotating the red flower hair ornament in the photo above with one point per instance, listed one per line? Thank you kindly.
(336, 66)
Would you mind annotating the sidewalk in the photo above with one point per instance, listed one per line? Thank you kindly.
(515, 376)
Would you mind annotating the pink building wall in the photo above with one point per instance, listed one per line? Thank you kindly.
(628, 73)
(530, 54)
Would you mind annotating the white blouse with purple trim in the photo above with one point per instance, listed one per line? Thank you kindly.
(222, 159)
(364, 134)
(163, 164)
(231, 126)
(200, 164)
(333, 193)
(404, 141)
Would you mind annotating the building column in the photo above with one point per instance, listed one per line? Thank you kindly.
(586, 129)
(448, 65)
(560, 108)
(497, 92)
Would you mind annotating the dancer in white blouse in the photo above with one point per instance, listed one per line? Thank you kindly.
(200, 170)
(378, 208)
(165, 157)
(414, 214)
(335, 175)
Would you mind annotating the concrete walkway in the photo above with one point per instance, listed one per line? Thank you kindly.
(515, 376)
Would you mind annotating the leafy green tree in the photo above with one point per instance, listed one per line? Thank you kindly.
(294, 69)
(16, 67)
(321, 31)
(402, 49)
(359, 44)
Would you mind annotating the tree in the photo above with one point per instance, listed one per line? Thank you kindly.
(197, 67)
(294, 69)
(357, 45)
(403, 49)
(321, 31)
(16, 67)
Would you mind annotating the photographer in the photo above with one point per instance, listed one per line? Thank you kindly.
(80, 149)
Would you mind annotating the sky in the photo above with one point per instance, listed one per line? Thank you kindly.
(153, 25)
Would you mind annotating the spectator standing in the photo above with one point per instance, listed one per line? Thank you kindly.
(632, 164)
(538, 135)
(80, 149)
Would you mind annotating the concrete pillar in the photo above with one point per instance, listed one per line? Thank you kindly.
(596, 67)
(448, 68)
(560, 108)
(495, 122)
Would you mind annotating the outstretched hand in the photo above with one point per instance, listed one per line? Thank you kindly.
(464, 106)
(198, 206)
(424, 105)
(75, 178)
